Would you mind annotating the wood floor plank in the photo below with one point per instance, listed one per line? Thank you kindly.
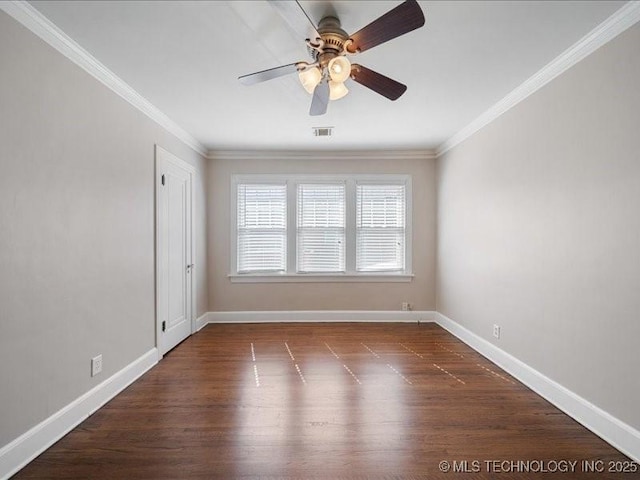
(326, 401)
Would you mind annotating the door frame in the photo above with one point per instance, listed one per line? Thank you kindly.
(163, 155)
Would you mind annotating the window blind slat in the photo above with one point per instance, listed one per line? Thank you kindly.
(262, 228)
(380, 228)
(321, 228)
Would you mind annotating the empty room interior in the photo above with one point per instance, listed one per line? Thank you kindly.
(319, 239)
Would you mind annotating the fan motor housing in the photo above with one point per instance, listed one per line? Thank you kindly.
(333, 38)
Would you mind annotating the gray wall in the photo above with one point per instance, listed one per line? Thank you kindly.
(227, 296)
(76, 229)
(539, 229)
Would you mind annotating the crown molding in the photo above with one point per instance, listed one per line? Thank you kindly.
(617, 23)
(32, 19)
(321, 155)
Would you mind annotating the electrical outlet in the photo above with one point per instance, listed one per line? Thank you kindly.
(406, 306)
(496, 330)
(96, 365)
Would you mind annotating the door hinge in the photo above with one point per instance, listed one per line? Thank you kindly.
(162, 179)
(164, 326)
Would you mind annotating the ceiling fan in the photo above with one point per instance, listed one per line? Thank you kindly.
(329, 47)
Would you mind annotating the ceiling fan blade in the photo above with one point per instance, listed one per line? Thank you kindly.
(297, 18)
(320, 100)
(377, 82)
(403, 19)
(265, 75)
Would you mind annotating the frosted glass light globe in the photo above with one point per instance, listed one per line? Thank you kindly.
(310, 78)
(337, 90)
(339, 68)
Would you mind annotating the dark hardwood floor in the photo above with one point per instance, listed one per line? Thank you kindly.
(327, 401)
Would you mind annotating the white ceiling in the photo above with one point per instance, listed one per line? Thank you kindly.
(185, 57)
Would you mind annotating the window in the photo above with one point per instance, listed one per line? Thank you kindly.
(321, 228)
(321, 231)
(380, 228)
(262, 228)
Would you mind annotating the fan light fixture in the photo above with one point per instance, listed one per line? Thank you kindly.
(337, 90)
(339, 69)
(310, 78)
(328, 46)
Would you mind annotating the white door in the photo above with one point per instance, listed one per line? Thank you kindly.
(174, 250)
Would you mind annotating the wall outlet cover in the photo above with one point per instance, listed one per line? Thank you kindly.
(496, 331)
(96, 365)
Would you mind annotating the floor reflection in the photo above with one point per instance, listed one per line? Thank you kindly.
(312, 404)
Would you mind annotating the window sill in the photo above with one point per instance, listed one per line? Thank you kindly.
(322, 278)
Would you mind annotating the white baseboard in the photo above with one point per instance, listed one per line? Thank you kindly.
(321, 316)
(202, 321)
(26, 447)
(614, 431)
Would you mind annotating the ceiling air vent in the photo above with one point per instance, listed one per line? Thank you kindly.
(322, 131)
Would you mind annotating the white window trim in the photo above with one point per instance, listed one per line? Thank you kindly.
(350, 274)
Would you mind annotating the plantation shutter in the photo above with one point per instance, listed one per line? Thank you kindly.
(321, 228)
(380, 228)
(262, 228)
